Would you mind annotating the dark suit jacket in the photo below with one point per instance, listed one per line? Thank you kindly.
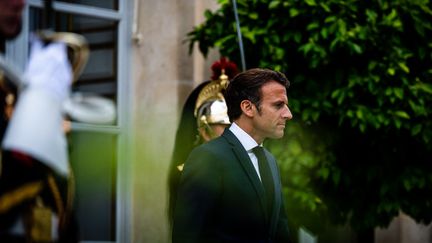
(221, 199)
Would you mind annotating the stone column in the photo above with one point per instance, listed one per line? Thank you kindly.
(163, 75)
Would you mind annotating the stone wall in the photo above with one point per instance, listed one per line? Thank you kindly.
(163, 74)
(403, 229)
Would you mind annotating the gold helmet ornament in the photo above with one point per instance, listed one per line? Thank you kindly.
(78, 49)
(78, 52)
(210, 107)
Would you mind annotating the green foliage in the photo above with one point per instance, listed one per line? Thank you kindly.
(361, 69)
(299, 157)
(367, 63)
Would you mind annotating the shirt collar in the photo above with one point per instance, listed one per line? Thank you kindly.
(245, 139)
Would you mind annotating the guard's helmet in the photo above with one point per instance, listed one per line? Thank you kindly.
(210, 106)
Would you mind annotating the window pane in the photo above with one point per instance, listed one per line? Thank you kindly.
(100, 73)
(110, 4)
(93, 157)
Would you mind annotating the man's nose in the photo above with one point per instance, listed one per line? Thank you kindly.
(287, 114)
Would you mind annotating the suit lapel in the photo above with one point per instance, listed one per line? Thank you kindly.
(244, 160)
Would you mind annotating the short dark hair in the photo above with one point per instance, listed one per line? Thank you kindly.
(247, 86)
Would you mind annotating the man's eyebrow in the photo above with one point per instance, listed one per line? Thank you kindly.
(280, 102)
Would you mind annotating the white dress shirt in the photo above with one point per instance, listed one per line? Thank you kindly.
(248, 143)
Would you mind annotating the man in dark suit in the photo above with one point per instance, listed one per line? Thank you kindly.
(229, 191)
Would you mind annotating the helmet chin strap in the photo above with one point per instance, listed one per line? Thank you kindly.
(209, 132)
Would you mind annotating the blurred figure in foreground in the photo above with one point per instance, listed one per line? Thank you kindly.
(35, 189)
(204, 117)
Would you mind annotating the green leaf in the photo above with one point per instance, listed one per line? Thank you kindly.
(280, 52)
(425, 87)
(329, 19)
(388, 91)
(416, 129)
(293, 12)
(398, 92)
(312, 26)
(391, 71)
(397, 123)
(297, 37)
(324, 33)
(306, 48)
(324, 172)
(223, 40)
(223, 2)
(341, 98)
(356, 48)
(402, 114)
(362, 127)
(391, 16)
(371, 15)
(342, 26)
(334, 43)
(253, 15)
(359, 114)
(325, 7)
(372, 64)
(306, 114)
(274, 4)
(397, 24)
(250, 35)
(404, 67)
(335, 93)
(310, 2)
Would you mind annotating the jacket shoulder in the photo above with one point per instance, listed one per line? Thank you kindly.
(214, 146)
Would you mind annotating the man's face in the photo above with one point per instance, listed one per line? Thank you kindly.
(269, 121)
(10, 18)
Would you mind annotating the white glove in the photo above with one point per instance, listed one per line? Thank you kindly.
(36, 124)
(49, 68)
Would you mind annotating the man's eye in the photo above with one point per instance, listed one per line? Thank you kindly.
(280, 105)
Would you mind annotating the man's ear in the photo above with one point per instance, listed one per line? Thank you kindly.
(248, 108)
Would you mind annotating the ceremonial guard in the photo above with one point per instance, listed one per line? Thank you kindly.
(36, 189)
(36, 183)
(204, 117)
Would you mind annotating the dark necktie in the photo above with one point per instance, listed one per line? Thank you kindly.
(266, 177)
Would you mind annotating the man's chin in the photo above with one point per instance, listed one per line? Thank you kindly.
(278, 135)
